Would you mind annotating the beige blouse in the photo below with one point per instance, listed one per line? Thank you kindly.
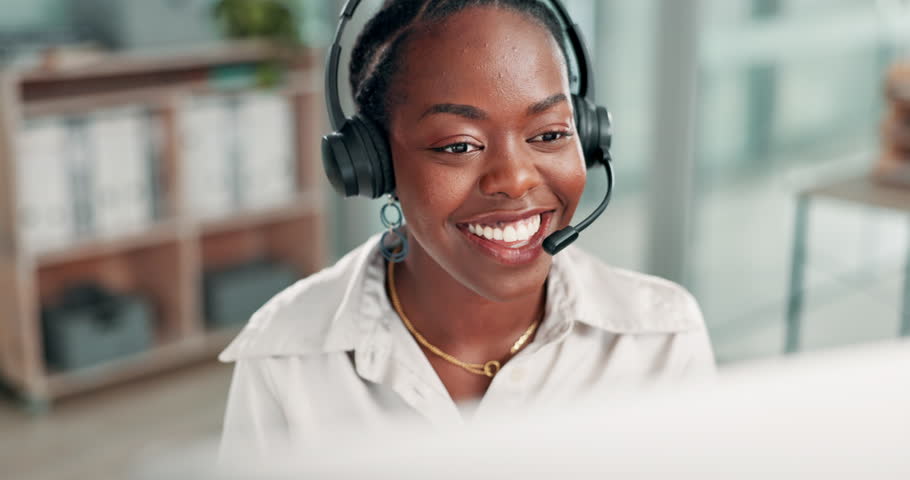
(330, 353)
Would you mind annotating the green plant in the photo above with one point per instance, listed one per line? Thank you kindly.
(268, 19)
(272, 20)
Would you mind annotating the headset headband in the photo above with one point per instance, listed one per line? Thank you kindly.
(333, 101)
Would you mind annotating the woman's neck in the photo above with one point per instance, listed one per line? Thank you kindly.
(455, 318)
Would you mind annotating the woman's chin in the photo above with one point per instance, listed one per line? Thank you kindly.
(509, 287)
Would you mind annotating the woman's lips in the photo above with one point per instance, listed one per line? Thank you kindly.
(511, 243)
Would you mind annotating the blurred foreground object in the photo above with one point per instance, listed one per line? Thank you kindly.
(894, 164)
(835, 415)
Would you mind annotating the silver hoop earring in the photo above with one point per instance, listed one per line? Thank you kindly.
(394, 244)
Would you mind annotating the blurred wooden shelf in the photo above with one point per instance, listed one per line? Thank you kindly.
(305, 203)
(187, 350)
(302, 204)
(159, 95)
(90, 102)
(166, 262)
(159, 62)
(161, 233)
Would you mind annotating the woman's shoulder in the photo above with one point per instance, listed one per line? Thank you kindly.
(627, 301)
(297, 320)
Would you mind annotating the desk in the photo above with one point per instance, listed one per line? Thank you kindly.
(864, 191)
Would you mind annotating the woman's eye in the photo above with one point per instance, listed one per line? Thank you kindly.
(461, 147)
(551, 136)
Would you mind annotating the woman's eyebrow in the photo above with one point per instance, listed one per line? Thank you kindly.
(546, 103)
(467, 111)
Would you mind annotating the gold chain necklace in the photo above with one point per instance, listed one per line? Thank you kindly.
(489, 368)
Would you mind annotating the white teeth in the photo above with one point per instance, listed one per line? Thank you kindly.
(509, 235)
(522, 232)
(514, 232)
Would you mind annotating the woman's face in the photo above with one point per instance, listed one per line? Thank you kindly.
(486, 157)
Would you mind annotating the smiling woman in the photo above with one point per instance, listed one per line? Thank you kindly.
(470, 102)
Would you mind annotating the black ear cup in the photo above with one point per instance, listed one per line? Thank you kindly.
(336, 161)
(595, 130)
(383, 158)
(357, 160)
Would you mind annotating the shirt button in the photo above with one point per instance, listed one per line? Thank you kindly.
(417, 393)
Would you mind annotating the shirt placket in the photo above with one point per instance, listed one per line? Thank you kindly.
(509, 390)
(386, 359)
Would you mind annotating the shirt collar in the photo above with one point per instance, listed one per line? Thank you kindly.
(363, 304)
(617, 300)
(579, 289)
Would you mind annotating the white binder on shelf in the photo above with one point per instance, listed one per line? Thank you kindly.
(121, 179)
(207, 134)
(266, 147)
(45, 193)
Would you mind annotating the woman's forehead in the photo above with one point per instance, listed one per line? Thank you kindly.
(482, 54)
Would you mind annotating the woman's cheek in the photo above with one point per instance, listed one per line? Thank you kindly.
(429, 194)
(578, 182)
(569, 185)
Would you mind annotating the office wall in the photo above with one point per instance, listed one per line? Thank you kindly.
(16, 14)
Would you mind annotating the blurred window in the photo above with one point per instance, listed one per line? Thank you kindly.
(789, 94)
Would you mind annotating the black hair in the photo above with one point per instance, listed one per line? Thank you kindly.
(375, 56)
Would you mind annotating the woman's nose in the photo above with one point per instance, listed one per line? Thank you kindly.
(510, 172)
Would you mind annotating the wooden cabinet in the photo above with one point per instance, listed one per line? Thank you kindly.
(164, 259)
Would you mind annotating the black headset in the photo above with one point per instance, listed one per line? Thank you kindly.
(356, 155)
